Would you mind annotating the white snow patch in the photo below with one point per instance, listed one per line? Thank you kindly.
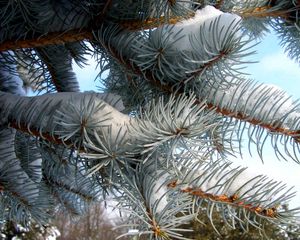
(262, 101)
(191, 27)
(158, 196)
(245, 184)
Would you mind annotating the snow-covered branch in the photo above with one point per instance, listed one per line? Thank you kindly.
(62, 117)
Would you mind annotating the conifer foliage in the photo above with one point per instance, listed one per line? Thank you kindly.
(176, 106)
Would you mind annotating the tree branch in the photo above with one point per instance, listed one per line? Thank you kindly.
(243, 117)
(28, 114)
(59, 64)
(150, 23)
(51, 181)
(133, 25)
(170, 89)
(59, 37)
(44, 135)
(233, 200)
(65, 203)
(48, 39)
(263, 12)
(85, 33)
(219, 4)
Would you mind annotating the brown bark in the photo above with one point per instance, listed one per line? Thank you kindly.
(233, 200)
(49, 39)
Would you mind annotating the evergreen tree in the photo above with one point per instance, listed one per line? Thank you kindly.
(175, 108)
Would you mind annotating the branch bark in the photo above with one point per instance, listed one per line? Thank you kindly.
(48, 39)
(233, 200)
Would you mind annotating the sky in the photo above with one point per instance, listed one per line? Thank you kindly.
(274, 67)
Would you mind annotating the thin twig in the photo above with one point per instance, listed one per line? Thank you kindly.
(150, 23)
(233, 200)
(43, 135)
(219, 4)
(67, 188)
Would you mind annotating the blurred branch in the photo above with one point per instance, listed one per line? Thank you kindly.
(150, 23)
(51, 181)
(263, 12)
(219, 4)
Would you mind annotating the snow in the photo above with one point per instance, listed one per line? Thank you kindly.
(53, 233)
(182, 31)
(264, 101)
(192, 26)
(61, 102)
(158, 195)
(133, 231)
(245, 182)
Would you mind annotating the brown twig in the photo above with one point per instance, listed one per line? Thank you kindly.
(49, 39)
(155, 227)
(243, 117)
(233, 200)
(219, 4)
(149, 23)
(59, 37)
(262, 12)
(85, 33)
(43, 135)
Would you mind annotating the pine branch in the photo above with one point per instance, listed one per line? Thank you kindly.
(66, 187)
(27, 152)
(219, 4)
(68, 119)
(263, 12)
(271, 9)
(76, 35)
(16, 186)
(167, 88)
(270, 127)
(233, 200)
(56, 195)
(133, 68)
(55, 139)
(151, 23)
(48, 39)
(148, 212)
(118, 148)
(59, 64)
(235, 193)
(97, 21)
(59, 37)
(152, 198)
(155, 227)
